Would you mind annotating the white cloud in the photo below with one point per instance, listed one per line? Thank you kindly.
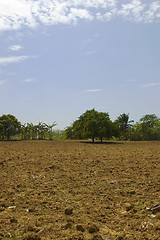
(130, 80)
(13, 59)
(141, 11)
(15, 14)
(153, 12)
(90, 52)
(87, 41)
(107, 16)
(27, 80)
(2, 82)
(133, 10)
(79, 13)
(92, 90)
(15, 47)
(148, 85)
(94, 3)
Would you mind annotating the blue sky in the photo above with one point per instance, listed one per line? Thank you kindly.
(60, 58)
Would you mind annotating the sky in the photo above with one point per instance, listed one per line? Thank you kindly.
(59, 58)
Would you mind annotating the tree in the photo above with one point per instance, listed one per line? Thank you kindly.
(88, 125)
(105, 127)
(23, 131)
(124, 124)
(68, 133)
(150, 127)
(40, 131)
(9, 126)
(91, 124)
(49, 129)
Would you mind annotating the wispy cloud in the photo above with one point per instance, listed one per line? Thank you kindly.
(148, 85)
(15, 48)
(90, 52)
(92, 90)
(28, 80)
(13, 59)
(16, 14)
(86, 41)
(130, 80)
(6, 73)
(2, 82)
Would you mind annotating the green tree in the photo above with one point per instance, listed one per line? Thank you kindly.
(105, 126)
(50, 130)
(124, 125)
(91, 124)
(68, 133)
(40, 131)
(9, 126)
(149, 127)
(116, 129)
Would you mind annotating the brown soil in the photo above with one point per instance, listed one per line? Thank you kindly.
(76, 190)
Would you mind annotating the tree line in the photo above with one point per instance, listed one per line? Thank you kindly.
(11, 127)
(92, 125)
(98, 125)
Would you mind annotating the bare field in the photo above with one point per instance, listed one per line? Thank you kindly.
(77, 190)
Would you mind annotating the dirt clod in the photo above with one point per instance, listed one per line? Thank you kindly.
(13, 220)
(31, 229)
(93, 229)
(31, 236)
(97, 237)
(68, 211)
(68, 225)
(128, 206)
(157, 225)
(80, 228)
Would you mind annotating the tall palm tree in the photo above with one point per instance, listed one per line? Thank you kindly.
(124, 123)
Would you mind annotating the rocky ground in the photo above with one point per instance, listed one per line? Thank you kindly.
(78, 190)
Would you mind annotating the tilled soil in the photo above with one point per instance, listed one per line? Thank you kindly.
(78, 190)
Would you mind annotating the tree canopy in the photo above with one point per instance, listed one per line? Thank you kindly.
(9, 126)
(150, 127)
(91, 124)
(124, 125)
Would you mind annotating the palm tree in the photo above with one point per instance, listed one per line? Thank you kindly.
(49, 129)
(124, 123)
(42, 130)
(23, 131)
